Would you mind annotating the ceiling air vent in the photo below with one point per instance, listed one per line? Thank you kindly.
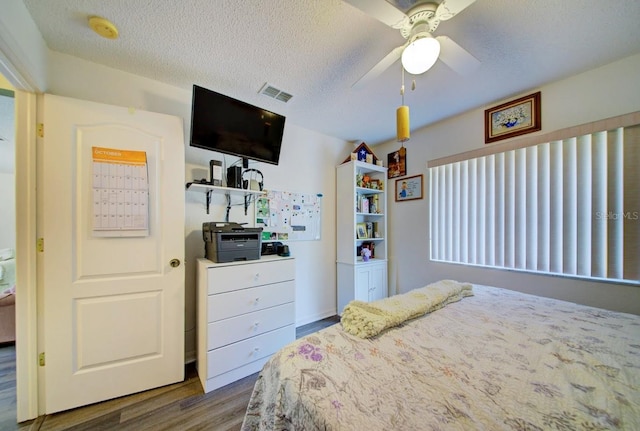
(274, 93)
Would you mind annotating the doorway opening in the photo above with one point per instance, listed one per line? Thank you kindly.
(8, 417)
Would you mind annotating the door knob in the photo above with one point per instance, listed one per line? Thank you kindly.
(174, 263)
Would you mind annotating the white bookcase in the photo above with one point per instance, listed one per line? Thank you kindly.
(360, 206)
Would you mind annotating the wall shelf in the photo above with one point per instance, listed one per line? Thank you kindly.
(208, 190)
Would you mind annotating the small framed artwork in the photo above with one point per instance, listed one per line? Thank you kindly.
(397, 163)
(409, 188)
(361, 231)
(514, 118)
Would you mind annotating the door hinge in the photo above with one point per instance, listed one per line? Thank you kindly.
(40, 130)
(40, 245)
(41, 359)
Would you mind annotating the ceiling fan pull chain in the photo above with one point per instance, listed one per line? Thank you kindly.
(413, 85)
(402, 86)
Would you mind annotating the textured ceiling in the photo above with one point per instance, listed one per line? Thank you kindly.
(316, 49)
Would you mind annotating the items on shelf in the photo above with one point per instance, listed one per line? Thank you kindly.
(369, 246)
(363, 154)
(368, 204)
(364, 206)
(366, 254)
(365, 181)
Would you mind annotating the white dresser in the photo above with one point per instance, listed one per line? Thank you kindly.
(246, 312)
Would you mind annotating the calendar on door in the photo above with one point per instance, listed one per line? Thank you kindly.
(120, 192)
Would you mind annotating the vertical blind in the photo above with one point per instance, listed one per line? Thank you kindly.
(569, 207)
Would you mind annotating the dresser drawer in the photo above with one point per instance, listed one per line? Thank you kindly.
(230, 304)
(245, 326)
(238, 276)
(238, 354)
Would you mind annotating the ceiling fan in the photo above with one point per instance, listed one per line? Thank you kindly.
(421, 49)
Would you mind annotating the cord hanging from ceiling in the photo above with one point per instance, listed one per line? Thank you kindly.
(402, 116)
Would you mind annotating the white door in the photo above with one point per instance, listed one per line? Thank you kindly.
(112, 307)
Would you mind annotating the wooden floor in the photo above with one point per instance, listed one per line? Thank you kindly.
(182, 406)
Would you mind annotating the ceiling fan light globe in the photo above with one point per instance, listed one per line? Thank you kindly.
(420, 55)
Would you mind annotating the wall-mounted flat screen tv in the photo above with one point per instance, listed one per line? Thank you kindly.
(224, 124)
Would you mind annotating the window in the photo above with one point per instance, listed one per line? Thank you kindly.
(570, 206)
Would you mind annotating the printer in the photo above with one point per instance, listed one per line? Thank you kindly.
(229, 242)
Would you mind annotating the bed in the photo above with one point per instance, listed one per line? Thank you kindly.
(497, 360)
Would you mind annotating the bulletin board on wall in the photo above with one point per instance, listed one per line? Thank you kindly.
(289, 216)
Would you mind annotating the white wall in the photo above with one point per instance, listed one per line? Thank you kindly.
(601, 93)
(307, 164)
(7, 211)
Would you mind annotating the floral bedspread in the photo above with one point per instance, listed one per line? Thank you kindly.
(499, 360)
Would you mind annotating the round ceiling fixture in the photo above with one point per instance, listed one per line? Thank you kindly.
(103, 27)
(420, 54)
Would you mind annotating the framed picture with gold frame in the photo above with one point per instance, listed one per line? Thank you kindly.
(361, 231)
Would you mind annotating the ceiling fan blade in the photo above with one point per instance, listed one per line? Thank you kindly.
(380, 10)
(382, 65)
(450, 8)
(456, 57)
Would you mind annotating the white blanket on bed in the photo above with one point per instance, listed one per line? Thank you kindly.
(368, 319)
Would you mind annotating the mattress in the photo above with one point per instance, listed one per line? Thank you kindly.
(497, 360)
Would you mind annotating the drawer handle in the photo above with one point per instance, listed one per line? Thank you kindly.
(257, 276)
(255, 326)
(257, 300)
(255, 350)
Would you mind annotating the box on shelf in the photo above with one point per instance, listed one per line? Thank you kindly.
(364, 206)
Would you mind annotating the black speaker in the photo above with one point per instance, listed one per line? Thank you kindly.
(234, 177)
(246, 184)
(283, 250)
